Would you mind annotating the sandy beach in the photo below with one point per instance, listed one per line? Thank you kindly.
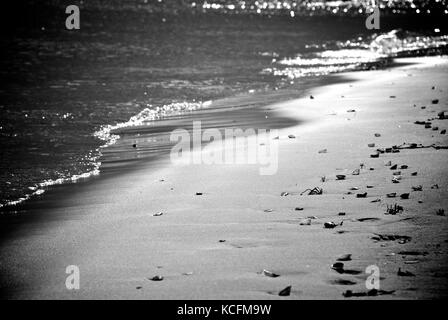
(216, 245)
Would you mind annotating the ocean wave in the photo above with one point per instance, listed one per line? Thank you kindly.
(332, 57)
(106, 134)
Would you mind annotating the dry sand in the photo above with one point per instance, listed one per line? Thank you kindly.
(107, 227)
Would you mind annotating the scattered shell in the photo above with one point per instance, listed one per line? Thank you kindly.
(391, 195)
(323, 151)
(158, 214)
(340, 177)
(269, 274)
(287, 291)
(156, 278)
(345, 257)
(284, 194)
(305, 222)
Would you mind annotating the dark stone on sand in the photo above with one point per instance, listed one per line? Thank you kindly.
(377, 135)
(443, 131)
(138, 287)
(361, 195)
(134, 145)
(156, 278)
(404, 196)
(298, 208)
(221, 241)
(331, 225)
(284, 194)
(311, 97)
(414, 174)
(199, 193)
(427, 126)
(435, 101)
(338, 267)
(375, 155)
(370, 293)
(351, 110)
(291, 136)
(368, 219)
(285, 292)
(343, 282)
(340, 177)
(341, 214)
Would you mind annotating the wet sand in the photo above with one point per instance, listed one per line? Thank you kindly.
(214, 245)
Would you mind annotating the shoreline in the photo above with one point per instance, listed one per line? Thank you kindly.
(107, 227)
